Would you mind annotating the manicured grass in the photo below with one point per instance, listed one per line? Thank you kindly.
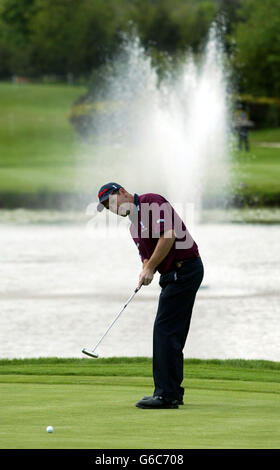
(91, 404)
(258, 171)
(40, 152)
(265, 135)
(34, 125)
(38, 145)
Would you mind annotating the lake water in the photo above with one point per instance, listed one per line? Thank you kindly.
(62, 284)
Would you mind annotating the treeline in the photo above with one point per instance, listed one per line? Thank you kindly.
(71, 38)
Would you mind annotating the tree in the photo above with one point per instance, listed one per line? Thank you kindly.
(257, 57)
(173, 26)
(70, 36)
(14, 36)
(17, 15)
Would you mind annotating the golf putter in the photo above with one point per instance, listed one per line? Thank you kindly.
(91, 352)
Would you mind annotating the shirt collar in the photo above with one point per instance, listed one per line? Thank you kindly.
(136, 201)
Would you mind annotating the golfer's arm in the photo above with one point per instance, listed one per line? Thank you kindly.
(162, 249)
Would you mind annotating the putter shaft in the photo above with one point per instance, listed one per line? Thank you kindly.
(92, 353)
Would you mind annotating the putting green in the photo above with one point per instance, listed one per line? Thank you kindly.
(227, 405)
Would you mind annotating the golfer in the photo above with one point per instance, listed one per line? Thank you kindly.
(165, 245)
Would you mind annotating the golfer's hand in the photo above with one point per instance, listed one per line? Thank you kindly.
(146, 276)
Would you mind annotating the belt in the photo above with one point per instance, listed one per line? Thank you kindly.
(179, 264)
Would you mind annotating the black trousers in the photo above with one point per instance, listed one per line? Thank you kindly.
(171, 327)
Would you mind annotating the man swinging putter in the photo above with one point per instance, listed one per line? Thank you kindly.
(165, 245)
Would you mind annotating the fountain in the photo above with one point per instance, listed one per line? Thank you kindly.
(169, 136)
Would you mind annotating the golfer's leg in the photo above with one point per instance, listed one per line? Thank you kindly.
(165, 351)
(191, 291)
(170, 331)
(184, 333)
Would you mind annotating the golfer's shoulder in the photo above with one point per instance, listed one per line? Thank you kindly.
(152, 197)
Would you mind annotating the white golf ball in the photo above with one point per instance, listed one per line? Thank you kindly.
(49, 429)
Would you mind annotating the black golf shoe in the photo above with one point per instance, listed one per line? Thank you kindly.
(180, 401)
(156, 403)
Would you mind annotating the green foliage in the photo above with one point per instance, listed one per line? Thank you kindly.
(17, 16)
(258, 47)
(262, 110)
(15, 20)
(71, 37)
(74, 37)
(58, 36)
(171, 26)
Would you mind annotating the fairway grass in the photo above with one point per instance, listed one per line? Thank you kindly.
(38, 145)
(91, 405)
(41, 154)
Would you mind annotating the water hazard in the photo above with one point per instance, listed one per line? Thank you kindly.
(61, 285)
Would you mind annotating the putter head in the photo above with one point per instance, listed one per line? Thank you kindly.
(89, 353)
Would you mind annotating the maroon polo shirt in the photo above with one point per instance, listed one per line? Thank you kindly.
(153, 215)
